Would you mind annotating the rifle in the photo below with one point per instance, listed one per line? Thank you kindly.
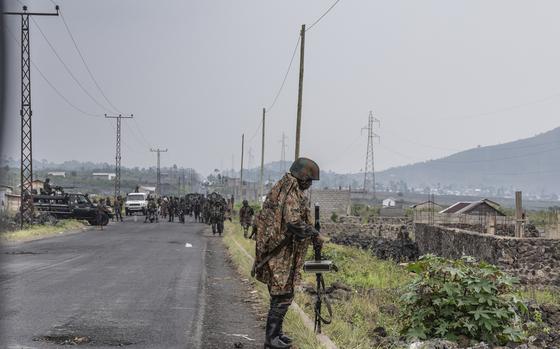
(320, 266)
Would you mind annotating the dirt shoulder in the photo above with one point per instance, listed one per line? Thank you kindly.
(231, 311)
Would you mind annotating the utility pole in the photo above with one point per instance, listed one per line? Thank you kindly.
(369, 170)
(300, 89)
(158, 173)
(519, 221)
(26, 169)
(241, 171)
(262, 156)
(118, 151)
(283, 151)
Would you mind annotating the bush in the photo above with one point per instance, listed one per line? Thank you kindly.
(450, 298)
(334, 217)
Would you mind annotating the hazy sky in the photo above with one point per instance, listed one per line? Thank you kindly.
(441, 76)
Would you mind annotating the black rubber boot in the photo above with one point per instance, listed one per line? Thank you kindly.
(274, 325)
(283, 307)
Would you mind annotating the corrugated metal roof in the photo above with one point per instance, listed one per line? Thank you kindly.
(456, 207)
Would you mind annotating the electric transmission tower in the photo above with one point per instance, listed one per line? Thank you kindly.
(26, 171)
(369, 170)
(158, 173)
(118, 152)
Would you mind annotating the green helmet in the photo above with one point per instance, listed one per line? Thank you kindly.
(305, 169)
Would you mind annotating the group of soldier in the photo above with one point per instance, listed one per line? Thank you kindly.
(282, 229)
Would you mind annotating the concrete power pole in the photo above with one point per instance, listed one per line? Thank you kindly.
(283, 151)
(369, 170)
(262, 156)
(26, 154)
(241, 171)
(300, 90)
(158, 173)
(118, 151)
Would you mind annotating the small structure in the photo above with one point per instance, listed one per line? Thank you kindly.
(107, 175)
(427, 206)
(476, 208)
(12, 203)
(4, 190)
(389, 202)
(57, 174)
(147, 190)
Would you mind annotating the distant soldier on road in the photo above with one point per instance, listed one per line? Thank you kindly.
(246, 214)
(152, 210)
(284, 231)
(118, 208)
(100, 213)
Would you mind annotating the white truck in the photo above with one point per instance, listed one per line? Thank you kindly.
(136, 202)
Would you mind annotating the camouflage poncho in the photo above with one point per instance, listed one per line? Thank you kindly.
(285, 203)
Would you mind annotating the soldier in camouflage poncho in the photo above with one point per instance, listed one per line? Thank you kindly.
(284, 231)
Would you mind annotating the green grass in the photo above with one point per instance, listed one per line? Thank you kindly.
(41, 230)
(542, 295)
(372, 303)
(293, 324)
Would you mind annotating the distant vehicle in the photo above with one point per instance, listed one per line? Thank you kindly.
(136, 202)
(70, 206)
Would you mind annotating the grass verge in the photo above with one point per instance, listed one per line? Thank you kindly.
(360, 314)
(293, 324)
(37, 231)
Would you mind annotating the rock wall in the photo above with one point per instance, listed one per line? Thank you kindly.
(330, 201)
(533, 260)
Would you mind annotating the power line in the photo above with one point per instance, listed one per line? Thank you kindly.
(86, 65)
(323, 15)
(67, 68)
(285, 75)
(56, 90)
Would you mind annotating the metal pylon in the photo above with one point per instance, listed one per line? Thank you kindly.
(369, 169)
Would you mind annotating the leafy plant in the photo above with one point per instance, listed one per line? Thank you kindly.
(449, 298)
(334, 217)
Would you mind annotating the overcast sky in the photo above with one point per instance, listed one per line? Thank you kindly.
(441, 76)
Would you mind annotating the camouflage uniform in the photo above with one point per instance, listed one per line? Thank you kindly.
(246, 217)
(283, 270)
(118, 208)
(283, 233)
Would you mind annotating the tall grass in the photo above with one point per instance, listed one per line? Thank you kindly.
(36, 231)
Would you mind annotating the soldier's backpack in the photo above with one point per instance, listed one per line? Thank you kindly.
(268, 231)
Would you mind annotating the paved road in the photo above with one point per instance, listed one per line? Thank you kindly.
(132, 284)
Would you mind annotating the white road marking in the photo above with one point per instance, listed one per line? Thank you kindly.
(188, 245)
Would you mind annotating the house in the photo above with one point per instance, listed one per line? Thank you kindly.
(4, 190)
(12, 203)
(476, 208)
(36, 185)
(389, 202)
(427, 206)
(57, 174)
(108, 176)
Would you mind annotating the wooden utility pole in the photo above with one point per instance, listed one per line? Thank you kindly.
(158, 173)
(241, 171)
(262, 156)
(518, 214)
(300, 89)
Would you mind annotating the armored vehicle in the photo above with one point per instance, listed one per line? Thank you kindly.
(70, 206)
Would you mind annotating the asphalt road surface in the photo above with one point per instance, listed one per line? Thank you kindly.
(166, 285)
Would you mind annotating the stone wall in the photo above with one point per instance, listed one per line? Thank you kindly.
(330, 201)
(533, 260)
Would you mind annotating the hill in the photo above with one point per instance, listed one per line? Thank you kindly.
(531, 164)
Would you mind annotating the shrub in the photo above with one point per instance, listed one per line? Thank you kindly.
(334, 217)
(450, 298)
